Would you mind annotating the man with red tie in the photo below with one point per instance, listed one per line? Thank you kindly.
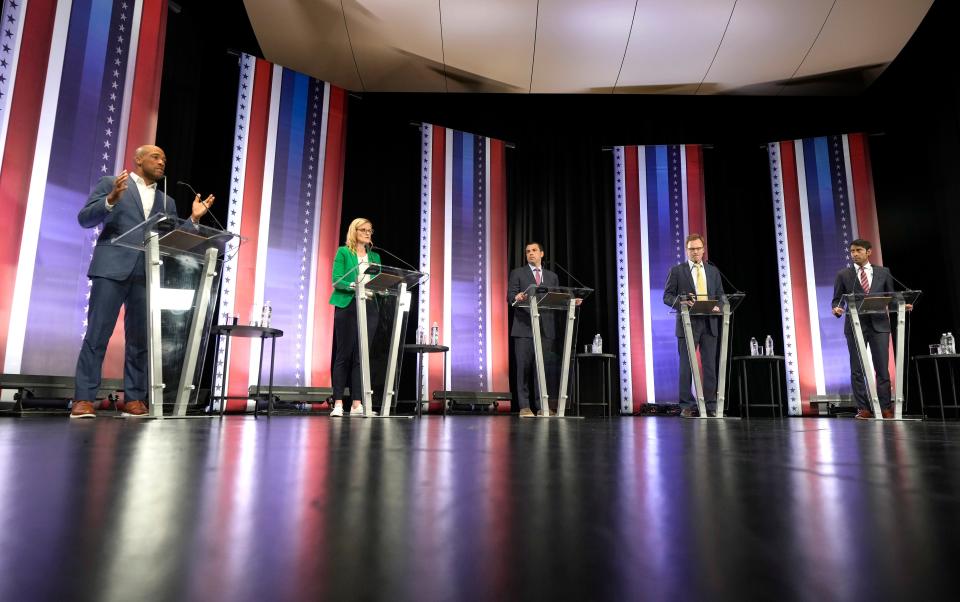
(862, 278)
(521, 332)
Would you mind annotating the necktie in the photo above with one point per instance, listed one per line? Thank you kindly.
(536, 275)
(864, 283)
(701, 282)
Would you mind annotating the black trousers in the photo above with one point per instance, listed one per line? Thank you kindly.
(707, 344)
(526, 371)
(346, 363)
(879, 345)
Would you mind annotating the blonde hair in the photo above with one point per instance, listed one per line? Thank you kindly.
(352, 232)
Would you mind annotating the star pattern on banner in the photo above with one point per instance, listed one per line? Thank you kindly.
(623, 296)
(786, 289)
(11, 18)
(107, 133)
(423, 302)
(235, 211)
(480, 220)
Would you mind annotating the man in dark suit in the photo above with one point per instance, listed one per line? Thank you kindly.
(696, 278)
(521, 332)
(119, 278)
(866, 278)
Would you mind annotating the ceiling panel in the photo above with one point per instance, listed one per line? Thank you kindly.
(881, 28)
(672, 44)
(580, 44)
(765, 42)
(307, 37)
(396, 44)
(488, 44)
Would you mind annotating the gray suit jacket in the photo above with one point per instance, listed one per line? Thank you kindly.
(520, 279)
(112, 261)
(680, 282)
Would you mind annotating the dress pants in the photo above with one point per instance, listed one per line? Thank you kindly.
(106, 298)
(526, 371)
(879, 345)
(346, 363)
(707, 344)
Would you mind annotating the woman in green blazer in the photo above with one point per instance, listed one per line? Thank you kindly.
(346, 363)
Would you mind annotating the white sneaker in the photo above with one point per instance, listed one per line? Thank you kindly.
(357, 411)
(336, 412)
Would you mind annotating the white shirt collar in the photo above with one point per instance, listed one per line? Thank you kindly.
(691, 264)
(140, 181)
(533, 267)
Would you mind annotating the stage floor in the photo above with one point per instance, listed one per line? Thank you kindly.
(472, 507)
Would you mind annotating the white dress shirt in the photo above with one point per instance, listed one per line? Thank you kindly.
(147, 194)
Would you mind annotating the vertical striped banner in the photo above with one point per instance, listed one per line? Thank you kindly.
(659, 201)
(463, 248)
(79, 90)
(286, 185)
(822, 200)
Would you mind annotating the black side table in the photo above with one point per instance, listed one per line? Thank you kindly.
(773, 362)
(951, 361)
(420, 350)
(249, 332)
(606, 390)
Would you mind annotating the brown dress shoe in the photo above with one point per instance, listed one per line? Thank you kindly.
(527, 413)
(688, 413)
(864, 414)
(83, 409)
(134, 408)
(552, 413)
(888, 413)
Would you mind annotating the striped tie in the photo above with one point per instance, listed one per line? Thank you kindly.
(536, 275)
(864, 283)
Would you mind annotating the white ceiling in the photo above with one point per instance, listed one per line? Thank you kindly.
(588, 46)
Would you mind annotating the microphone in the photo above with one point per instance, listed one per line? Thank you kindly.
(374, 247)
(196, 194)
(736, 288)
(565, 271)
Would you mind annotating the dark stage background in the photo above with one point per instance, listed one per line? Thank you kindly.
(560, 174)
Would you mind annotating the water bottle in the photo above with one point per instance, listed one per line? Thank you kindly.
(265, 314)
(435, 334)
(597, 344)
(754, 346)
(768, 346)
(943, 343)
(421, 337)
(951, 344)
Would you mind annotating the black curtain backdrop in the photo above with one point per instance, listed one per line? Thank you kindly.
(560, 169)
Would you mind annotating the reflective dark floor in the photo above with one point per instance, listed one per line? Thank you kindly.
(465, 508)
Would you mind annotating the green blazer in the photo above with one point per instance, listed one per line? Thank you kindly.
(345, 261)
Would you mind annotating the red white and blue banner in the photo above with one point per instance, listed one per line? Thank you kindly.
(463, 240)
(79, 90)
(285, 193)
(659, 201)
(822, 200)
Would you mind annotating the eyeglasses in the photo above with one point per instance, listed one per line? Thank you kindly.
(694, 248)
(365, 230)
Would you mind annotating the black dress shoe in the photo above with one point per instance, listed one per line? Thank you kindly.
(711, 413)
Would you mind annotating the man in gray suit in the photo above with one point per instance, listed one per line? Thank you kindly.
(691, 279)
(119, 278)
(865, 278)
(521, 332)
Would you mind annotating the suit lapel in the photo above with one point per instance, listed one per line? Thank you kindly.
(688, 276)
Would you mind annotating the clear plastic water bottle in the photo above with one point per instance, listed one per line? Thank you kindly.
(435, 334)
(421, 337)
(597, 346)
(754, 346)
(768, 346)
(265, 314)
(951, 344)
(943, 343)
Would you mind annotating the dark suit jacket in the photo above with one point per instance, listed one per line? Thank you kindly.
(520, 279)
(680, 282)
(115, 261)
(848, 281)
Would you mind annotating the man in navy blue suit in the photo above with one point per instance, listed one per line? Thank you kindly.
(119, 278)
(863, 278)
(521, 330)
(687, 280)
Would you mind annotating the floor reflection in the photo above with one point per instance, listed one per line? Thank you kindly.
(477, 508)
